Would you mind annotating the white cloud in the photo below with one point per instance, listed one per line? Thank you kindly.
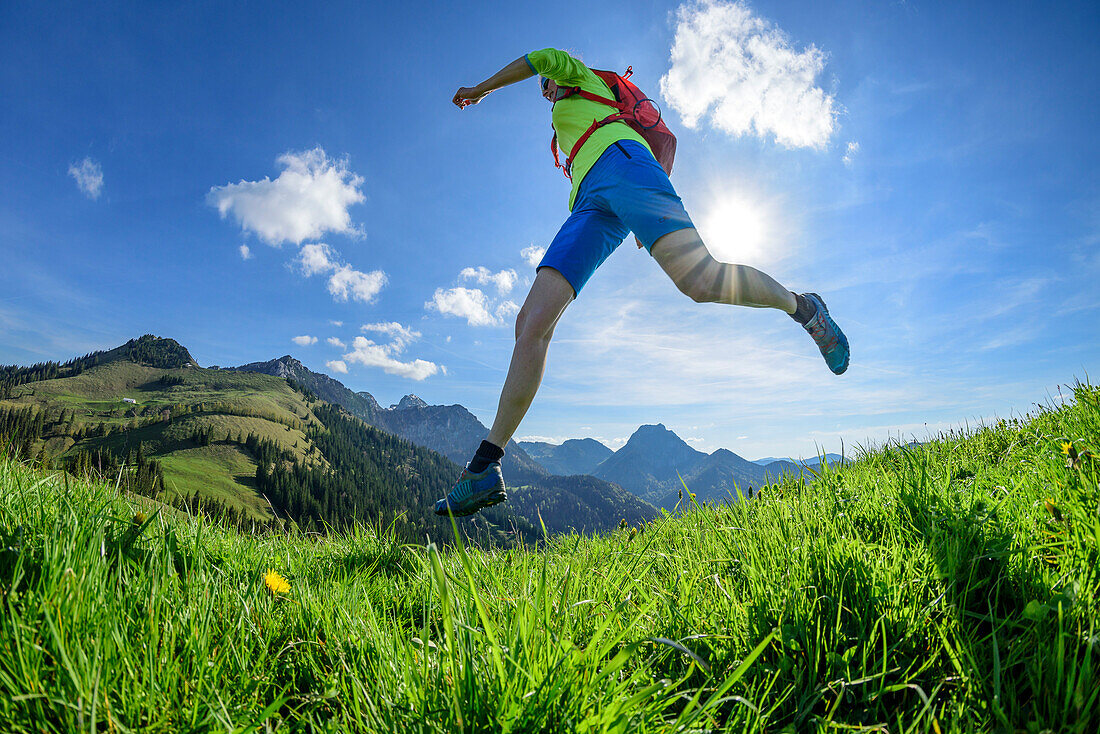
(246, 254)
(504, 281)
(310, 197)
(333, 341)
(505, 309)
(370, 354)
(468, 303)
(741, 72)
(305, 340)
(337, 324)
(337, 365)
(556, 440)
(359, 286)
(316, 258)
(88, 176)
(401, 335)
(850, 153)
(345, 281)
(473, 304)
(532, 255)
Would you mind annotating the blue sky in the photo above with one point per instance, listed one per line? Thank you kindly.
(238, 175)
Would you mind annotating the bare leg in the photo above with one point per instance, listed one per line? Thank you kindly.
(550, 294)
(684, 257)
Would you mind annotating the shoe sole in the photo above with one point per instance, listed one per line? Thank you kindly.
(478, 502)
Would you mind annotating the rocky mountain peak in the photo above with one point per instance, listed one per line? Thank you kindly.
(409, 401)
(656, 438)
(369, 398)
(290, 362)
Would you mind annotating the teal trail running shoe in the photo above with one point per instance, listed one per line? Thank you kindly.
(473, 492)
(828, 336)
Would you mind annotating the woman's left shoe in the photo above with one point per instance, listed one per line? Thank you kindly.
(474, 492)
(828, 336)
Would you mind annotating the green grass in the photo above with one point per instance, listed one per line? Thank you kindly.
(950, 587)
(223, 472)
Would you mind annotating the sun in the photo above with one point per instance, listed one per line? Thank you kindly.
(735, 231)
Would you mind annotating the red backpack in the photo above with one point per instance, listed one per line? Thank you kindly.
(634, 108)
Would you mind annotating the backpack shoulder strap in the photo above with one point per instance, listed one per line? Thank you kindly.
(557, 162)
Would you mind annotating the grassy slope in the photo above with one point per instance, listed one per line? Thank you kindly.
(222, 472)
(947, 588)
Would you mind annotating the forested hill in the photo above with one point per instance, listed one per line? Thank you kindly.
(372, 477)
(148, 350)
(450, 430)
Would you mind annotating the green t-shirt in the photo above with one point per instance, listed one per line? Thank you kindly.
(574, 115)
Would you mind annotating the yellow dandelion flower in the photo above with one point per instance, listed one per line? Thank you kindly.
(1066, 446)
(693, 495)
(139, 518)
(275, 582)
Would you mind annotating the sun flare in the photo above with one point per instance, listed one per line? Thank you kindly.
(735, 231)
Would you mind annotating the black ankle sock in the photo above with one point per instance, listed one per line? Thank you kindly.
(487, 453)
(805, 309)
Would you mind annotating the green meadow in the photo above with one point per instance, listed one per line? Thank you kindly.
(222, 403)
(944, 587)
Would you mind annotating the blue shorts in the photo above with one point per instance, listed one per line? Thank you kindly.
(625, 191)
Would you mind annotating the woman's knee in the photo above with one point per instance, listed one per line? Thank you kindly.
(534, 325)
(718, 281)
(521, 321)
(702, 281)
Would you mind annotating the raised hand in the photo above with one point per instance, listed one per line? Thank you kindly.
(467, 96)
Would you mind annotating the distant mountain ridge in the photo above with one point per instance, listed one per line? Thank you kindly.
(649, 461)
(575, 456)
(657, 465)
(814, 461)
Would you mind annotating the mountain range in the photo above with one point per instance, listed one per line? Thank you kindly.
(814, 461)
(658, 466)
(649, 466)
(575, 456)
(583, 475)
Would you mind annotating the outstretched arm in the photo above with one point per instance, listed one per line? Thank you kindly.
(516, 71)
